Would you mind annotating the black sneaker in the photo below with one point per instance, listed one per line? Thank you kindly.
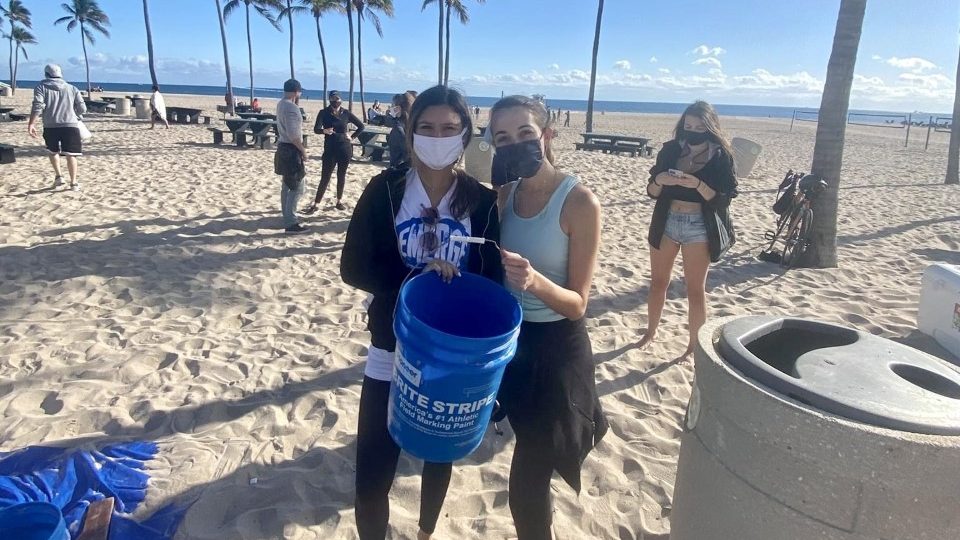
(340, 206)
(312, 209)
(295, 229)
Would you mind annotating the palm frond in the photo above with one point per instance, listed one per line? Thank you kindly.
(63, 20)
(230, 7)
(266, 14)
(460, 10)
(88, 35)
(427, 3)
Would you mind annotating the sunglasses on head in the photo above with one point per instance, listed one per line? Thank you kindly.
(429, 241)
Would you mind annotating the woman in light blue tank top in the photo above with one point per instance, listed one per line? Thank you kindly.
(550, 236)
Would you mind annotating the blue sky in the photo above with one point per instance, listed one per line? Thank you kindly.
(754, 52)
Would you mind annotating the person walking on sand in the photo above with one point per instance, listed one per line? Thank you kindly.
(61, 106)
(400, 228)
(291, 156)
(333, 122)
(693, 181)
(158, 109)
(566, 118)
(550, 234)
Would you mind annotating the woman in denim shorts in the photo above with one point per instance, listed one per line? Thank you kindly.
(693, 181)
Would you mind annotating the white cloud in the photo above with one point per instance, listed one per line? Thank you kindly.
(664, 70)
(704, 50)
(709, 61)
(622, 65)
(387, 60)
(913, 63)
(653, 60)
(555, 67)
(761, 79)
(935, 81)
(877, 57)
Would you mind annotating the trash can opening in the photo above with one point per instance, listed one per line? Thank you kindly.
(928, 380)
(780, 345)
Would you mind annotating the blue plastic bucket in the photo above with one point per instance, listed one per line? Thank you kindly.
(453, 342)
(33, 521)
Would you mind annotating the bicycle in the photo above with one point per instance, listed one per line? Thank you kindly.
(795, 218)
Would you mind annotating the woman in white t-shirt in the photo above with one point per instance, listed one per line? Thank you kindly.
(400, 227)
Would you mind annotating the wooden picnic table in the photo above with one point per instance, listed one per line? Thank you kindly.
(183, 115)
(260, 130)
(99, 106)
(373, 143)
(257, 116)
(615, 143)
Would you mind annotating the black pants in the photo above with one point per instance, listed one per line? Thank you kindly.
(552, 370)
(377, 456)
(338, 157)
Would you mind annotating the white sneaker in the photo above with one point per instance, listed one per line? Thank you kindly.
(75, 186)
(57, 182)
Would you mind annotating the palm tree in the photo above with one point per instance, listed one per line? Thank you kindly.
(593, 68)
(461, 11)
(290, 21)
(831, 128)
(146, 21)
(439, 37)
(88, 15)
(226, 57)
(263, 7)
(16, 13)
(953, 156)
(369, 9)
(21, 36)
(317, 8)
(349, 4)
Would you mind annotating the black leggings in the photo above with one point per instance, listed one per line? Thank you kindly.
(529, 494)
(334, 157)
(377, 456)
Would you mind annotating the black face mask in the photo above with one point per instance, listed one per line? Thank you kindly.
(694, 138)
(517, 160)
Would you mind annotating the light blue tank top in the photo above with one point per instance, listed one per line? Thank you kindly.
(541, 240)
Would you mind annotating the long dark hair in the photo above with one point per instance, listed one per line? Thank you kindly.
(468, 192)
(536, 108)
(704, 111)
(405, 103)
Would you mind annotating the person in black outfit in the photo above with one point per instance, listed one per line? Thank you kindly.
(400, 228)
(693, 181)
(397, 138)
(332, 122)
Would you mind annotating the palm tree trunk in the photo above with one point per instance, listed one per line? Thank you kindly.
(16, 67)
(226, 57)
(13, 84)
(290, 22)
(831, 129)
(250, 54)
(446, 52)
(146, 20)
(953, 156)
(440, 41)
(363, 101)
(350, 24)
(83, 41)
(593, 68)
(323, 58)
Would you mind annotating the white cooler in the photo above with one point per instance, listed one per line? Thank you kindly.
(939, 314)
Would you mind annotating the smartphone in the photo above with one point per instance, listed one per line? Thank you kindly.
(675, 173)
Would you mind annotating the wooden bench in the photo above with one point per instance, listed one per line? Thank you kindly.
(223, 110)
(6, 154)
(608, 148)
(218, 135)
(183, 115)
(206, 119)
(611, 143)
(376, 150)
(17, 117)
(99, 106)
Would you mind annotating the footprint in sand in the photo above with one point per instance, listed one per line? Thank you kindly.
(52, 404)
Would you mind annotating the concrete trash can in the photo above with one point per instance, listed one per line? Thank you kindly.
(143, 107)
(123, 107)
(478, 159)
(803, 430)
(745, 154)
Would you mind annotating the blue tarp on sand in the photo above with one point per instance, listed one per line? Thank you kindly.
(74, 478)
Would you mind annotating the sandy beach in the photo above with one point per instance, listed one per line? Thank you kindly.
(163, 302)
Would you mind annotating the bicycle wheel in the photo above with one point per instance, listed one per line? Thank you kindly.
(798, 239)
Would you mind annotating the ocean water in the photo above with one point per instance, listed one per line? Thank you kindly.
(762, 111)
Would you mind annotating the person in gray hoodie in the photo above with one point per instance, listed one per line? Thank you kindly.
(60, 105)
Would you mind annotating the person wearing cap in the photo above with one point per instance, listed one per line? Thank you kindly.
(333, 122)
(59, 105)
(291, 155)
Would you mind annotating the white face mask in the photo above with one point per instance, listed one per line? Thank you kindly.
(438, 153)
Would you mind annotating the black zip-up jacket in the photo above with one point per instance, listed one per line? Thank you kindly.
(718, 173)
(339, 123)
(371, 259)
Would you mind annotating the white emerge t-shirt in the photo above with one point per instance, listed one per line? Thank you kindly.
(410, 228)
